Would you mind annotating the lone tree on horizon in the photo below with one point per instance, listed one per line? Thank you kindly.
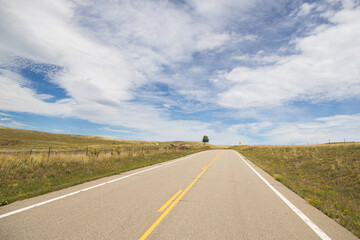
(205, 139)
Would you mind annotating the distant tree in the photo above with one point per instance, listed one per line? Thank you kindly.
(205, 139)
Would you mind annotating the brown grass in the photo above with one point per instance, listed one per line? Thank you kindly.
(18, 139)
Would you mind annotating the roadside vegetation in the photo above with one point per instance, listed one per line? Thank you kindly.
(327, 176)
(33, 163)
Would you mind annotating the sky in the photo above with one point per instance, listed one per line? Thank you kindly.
(259, 72)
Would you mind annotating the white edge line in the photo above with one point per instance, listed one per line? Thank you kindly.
(92, 187)
(307, 220)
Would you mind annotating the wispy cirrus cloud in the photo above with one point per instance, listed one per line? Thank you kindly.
(9, 122)
(5, 114)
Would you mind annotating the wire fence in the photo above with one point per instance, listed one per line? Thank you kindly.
(95, 151)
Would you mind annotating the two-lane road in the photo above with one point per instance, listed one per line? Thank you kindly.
(208, 195)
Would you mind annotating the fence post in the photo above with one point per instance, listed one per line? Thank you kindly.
(49, 152)
(30, 152)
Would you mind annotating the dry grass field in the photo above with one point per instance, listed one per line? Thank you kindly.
(327, 176)
(18, 139)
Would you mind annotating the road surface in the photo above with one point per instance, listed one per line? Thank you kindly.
(215, 194)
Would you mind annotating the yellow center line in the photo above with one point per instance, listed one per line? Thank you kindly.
(163, 215)
(169, 201)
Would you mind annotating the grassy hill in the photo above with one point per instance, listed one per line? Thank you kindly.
(14, 139)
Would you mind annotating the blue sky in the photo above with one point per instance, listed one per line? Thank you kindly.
(260, 72)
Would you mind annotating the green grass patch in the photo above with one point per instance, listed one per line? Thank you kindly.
(327, 176)
(278, 177)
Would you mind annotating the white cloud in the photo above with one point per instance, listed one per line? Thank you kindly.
(91, 71)
(251, 128)
(209, 42)
(320, 130)
(5, 114)
(151, 34)
(326, 68)
(115, 130)
(260, 58)
(350, 3)
(333, 128)
(16, 95)
(57, 130)
(305, 9)
(9, 122)
(219, 13)
(5, 119)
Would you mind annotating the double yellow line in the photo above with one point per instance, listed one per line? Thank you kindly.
(173, 203)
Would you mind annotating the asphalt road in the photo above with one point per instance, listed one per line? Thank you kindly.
(210, 195)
